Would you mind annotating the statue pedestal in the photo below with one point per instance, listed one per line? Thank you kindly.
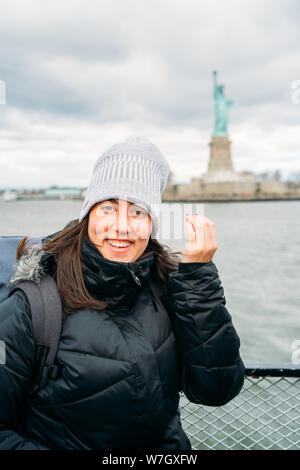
(220, 158)
(220, 166)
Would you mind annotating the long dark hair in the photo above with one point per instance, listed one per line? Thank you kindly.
(66, 245)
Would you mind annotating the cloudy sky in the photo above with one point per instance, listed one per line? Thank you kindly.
(83, 75)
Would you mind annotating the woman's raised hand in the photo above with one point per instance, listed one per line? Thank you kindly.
(201, 243)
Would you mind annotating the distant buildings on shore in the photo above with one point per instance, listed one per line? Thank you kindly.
(40, 194)
(245, 187)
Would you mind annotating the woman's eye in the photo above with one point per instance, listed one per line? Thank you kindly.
(138, 212)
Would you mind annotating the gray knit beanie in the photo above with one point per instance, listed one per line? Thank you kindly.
(134, 170)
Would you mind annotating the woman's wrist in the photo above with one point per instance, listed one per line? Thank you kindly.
(194, 259)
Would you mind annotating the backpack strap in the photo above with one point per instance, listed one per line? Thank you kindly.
(46, 313)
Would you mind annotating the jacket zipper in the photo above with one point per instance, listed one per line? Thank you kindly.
(136, 370)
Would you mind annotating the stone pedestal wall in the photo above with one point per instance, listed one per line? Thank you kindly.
(273, 187)
(192, 189)
(220, 157)
(229, 189)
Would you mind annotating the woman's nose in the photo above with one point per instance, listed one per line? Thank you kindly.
(122, 222)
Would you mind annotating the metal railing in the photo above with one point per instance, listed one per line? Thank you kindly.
(265, 414)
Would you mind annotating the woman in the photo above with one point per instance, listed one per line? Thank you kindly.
(124, 356)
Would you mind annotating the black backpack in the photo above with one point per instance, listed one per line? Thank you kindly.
(46, 312)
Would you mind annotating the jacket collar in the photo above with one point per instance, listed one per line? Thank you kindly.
(115, 282)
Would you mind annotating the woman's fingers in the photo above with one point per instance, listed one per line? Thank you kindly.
(212, 237)
(190, 232)
(201, 231)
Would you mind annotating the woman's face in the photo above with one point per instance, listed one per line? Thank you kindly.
(116, 220)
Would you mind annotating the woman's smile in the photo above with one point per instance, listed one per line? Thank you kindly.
(118, 246)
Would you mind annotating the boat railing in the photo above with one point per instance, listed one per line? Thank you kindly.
(264, 416)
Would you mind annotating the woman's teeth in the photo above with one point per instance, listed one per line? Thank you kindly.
(119, 244)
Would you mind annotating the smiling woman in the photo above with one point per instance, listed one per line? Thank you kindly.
(139, 326)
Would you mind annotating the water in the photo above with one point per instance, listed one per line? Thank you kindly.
(258, 260)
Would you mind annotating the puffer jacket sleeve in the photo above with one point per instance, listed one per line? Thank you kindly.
(16, 367)
(212, 371)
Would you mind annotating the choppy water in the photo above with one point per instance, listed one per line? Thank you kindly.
(258, 260)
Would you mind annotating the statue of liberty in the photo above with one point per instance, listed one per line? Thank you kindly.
(222, 105)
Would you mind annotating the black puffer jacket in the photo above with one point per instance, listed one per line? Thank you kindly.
(123, 366)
